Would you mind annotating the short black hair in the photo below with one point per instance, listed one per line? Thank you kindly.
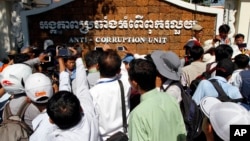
(223, 51)
(109, 63)
(64, 109)
(196, 52)
(239, 35)
(67, 58)
(241, 61)
(143, 72)
(20, 58)
(189, 45)
(5, 60)
(91, 58)
(224, 28)
(225, 68)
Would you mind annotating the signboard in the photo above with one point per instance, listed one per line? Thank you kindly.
(84, 27)
(141, 25)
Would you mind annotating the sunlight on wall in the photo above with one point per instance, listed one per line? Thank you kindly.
(4, 32)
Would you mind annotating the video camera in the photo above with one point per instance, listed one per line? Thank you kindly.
(64, 51)
(48, 57)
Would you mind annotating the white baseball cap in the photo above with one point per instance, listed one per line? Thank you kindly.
(12, 78)
(224, 114)
(38, 88)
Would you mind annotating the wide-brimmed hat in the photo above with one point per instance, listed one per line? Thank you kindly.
(167, 63)
(224, 114)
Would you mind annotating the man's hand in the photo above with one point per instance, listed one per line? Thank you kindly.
(77, 51)
(127, 51)
(217, 38)
(73, 51)
(42, 56)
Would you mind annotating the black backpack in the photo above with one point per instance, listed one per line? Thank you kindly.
(191, 112)
(222, 96)
(245, 77)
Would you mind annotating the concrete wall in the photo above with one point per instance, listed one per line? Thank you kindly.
(4, 26)
(243, 19)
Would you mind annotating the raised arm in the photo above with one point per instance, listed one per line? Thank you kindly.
(82, 88)
(83, 94)
(36, 60)
(64, 79)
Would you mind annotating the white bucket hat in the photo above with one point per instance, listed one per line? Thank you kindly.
(224, 114)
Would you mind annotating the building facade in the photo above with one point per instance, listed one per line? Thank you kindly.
(140, 25)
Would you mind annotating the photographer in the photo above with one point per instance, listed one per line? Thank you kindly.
(76, 119)
(66, 57)
(222, 38)
(239, 41)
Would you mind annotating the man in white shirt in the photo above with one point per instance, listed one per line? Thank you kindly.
(87, 127)
(241, 61)
(12, 80)
(72, 124)
(38, 88)
(107, 94)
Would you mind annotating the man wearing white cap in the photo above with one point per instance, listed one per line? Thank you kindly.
(38, 88)
(197, 32)
(220, 115)
(86, 129)
(12, 80)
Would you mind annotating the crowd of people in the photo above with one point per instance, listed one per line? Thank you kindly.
(76, 96)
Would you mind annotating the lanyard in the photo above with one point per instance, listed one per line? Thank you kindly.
(100, 82)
